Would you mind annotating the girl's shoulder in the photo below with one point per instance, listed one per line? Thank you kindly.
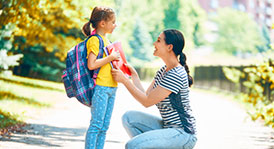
(93, 39)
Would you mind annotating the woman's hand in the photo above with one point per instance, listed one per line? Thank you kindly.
(118, 75)
(132, 70)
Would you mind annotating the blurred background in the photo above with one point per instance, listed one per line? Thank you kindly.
(229, 47)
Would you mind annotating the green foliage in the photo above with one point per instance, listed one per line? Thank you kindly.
(5, 34)
(258, 78)
(7, 61)
(198, 41)
(171, 15)
(237, 32)
(128, 12)
(266, 40)
(232, 74)
(8, 119)
(158, 17)
(38, 63)
(192, 18)
(43, 31)
(20, 98)
(40, 22)
(141, 43)
(146, 73)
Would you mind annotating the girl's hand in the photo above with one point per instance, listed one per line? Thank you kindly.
(115, 55)
(118, 75)
(132, 70)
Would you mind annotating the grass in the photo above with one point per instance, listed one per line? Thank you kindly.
(8, 119)
(22, 98)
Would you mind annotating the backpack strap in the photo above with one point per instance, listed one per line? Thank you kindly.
(100, 54)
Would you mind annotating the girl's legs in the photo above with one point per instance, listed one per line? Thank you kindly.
(101, 110)
(102, 135)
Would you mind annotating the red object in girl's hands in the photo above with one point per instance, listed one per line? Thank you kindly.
(117, 46)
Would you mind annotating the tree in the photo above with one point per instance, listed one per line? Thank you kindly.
(141, 44)
(41, 22)
(238, 35)
(7, 60)
(192, 18)
(171, 15)
(188, 17)
(266, 40)
(127, 11)
(43, 31)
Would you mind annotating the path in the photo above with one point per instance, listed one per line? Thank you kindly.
(222, 124)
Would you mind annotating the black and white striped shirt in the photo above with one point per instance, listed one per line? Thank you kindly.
(175, 109)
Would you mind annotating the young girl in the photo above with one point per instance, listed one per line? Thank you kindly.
(102, 20)
(169, 91)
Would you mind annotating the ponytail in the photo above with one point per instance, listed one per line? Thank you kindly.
(86, 29)
(183, 63)
(98, 14)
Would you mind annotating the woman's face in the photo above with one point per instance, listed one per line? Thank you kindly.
(160, 46)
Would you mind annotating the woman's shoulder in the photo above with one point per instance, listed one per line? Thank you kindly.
(178, 72)
(162, 69)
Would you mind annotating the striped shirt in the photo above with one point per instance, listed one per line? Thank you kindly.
(175, 109)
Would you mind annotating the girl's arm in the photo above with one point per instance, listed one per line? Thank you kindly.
(94, 63)
(153, 97)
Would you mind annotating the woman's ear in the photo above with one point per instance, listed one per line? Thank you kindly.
(170, 47)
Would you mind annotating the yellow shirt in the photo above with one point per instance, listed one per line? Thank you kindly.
(104, 77)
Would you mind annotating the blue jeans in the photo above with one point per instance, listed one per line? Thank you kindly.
(147, 132)
(101, 111)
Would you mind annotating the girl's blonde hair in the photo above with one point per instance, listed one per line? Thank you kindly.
(98, 14)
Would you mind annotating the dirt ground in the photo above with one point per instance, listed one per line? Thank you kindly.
(221, 124)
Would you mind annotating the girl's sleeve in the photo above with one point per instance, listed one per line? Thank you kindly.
(93, 46)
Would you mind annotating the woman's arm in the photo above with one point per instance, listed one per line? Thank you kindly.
(135, 78)
(150, 87)
(153, 97)
(94, 63)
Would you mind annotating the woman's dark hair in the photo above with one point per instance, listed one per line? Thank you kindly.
(176, 38)
(98, 14)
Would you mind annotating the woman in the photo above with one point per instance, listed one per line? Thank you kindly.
(170, 92)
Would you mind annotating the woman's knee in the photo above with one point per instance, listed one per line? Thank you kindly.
(131, 144)
(127, 116)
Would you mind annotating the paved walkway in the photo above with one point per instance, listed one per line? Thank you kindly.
(222, 124)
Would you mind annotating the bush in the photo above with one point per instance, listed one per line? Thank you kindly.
(260, 84)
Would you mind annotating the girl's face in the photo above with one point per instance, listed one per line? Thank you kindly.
(110, 25)
(161, 48)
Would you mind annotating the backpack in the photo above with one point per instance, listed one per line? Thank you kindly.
(77, 77)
